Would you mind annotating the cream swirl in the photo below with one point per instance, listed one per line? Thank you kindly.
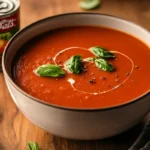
(72, 81)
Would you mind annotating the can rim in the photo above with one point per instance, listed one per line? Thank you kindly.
(17, 6)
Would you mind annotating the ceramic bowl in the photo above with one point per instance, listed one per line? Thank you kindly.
(87, 124)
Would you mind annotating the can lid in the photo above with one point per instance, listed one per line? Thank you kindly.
(8, 6)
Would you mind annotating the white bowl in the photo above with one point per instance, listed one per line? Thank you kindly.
(74, 123)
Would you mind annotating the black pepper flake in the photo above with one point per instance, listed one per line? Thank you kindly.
(103, 78)
(85, 66)
(117, 75)
(127, 74)
(92, 81)
(108, 85)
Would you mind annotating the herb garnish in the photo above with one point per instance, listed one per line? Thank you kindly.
(33, 146)
(89, 4)
(49, 70)
(101, 52)
(74, 64)
(104, 65)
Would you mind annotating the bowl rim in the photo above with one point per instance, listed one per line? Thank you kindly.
(56, 105)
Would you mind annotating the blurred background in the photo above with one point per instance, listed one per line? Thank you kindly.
(134, 10)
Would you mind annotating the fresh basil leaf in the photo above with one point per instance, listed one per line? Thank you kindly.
(33, 146)
(89, 4)
(30, 145)
(74, 64)
(104, 65)
(101, 52)
(49, 70)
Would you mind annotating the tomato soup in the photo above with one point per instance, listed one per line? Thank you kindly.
(95, 86)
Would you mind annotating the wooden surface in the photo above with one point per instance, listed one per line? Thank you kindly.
(15, 129)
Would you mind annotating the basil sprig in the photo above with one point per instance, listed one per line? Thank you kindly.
(104, 65)
(49, 70)
(74, 64)
(33, 146)
(89, 4)
(101, 52)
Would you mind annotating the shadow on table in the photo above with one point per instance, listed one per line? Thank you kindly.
(119, 142)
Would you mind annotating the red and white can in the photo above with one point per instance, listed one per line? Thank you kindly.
(9, 22)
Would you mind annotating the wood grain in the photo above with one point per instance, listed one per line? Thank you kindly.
(15, 129)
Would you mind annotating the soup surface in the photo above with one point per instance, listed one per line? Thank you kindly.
(93, 88)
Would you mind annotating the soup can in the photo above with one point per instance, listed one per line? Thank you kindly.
(9, 22)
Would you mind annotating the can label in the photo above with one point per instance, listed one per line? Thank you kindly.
(9, 25)
(0, 62)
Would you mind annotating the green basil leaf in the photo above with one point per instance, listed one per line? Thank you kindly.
(30, 145)
(74, 64)
(49, 70)
(33, 146)
(89, 4)
(101, 52)
(104, 65)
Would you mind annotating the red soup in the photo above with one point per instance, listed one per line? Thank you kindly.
(84, 67)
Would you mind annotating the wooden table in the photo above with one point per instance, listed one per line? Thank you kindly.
(15, 129)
